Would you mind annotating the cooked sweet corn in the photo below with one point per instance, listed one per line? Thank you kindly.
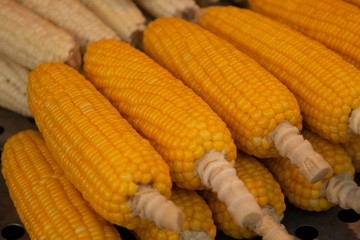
(117, 171)
(337, 189)
(198, 221)
(193, 140)
(353, 149)
(355, 2)
(74, 17)
(13, 80)
(29, 40)
(47, 203)
(268, 194)
(335, 23)
(327, 87)
(262, 114)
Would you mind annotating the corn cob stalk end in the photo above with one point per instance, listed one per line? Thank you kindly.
(219, 175)
(149, 204)
(343, 190)
(292, 145)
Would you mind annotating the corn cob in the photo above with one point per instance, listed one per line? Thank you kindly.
(30, 40)
(123, 16)
(338, 188)
(193, 140)
(198, 221)
(353, 149)
(47, 203)
(326, 87)
(268, 194)
(118, 172)
(13, 79)
(260, 111)
(74, 17)
(355, 2)
(335, 23)
(170, 8)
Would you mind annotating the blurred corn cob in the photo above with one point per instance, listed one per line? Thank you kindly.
(335, 23)
(267, 192)
(30, 40)
(74, 17)
(326, 87)
(198, 221)
(117, 171)
(353, 149)
(260, 111)
(193, 140)
(337, 189)
(355, 2)
(123, 16)
(47, 203)
(170, 8)
(13, 80)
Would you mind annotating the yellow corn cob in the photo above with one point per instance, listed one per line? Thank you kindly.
(13, 79)
(30, 40)
(170, 8)
(268, 194)
(193, 140)
(123, 16)
(74, 17)
(353, 149)
(47, 203)
(335, 23)
(260, 111)
(337, 189)
(355, 2)
(326, 87)
(198, 221)
(118, 172)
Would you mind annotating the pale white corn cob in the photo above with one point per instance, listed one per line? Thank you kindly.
(170, 8)
(73, 16)
(13, 80)
(28, 39)
(123, 16)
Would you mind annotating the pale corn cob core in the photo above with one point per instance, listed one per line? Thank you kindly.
(101, 154)
(198, 221)
(326, 87)
(353, 149)
(170, 8)
(74, 17)
(13, 80)
(333, 190)
(30, 40)
(123, 16)
(334, 23)
(267, 192)
(257, 108)
(193, 140)
(49, 206)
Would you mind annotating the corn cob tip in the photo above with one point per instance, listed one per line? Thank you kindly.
(342, 190)
(150, 205)
(312, 166)
(271, 227)
(354, 120)
(219, 175)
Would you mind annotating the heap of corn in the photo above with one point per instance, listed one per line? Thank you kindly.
(114, 141)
